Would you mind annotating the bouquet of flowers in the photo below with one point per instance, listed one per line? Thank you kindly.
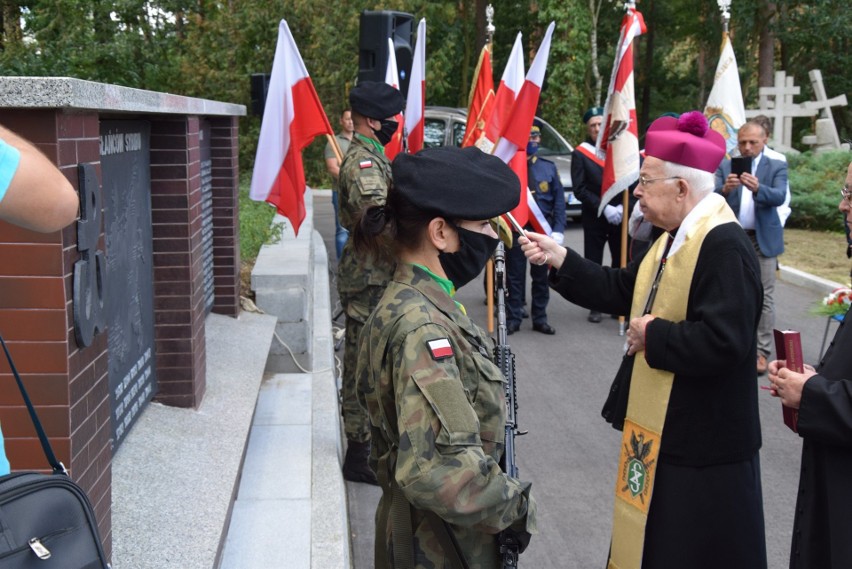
(835, 304)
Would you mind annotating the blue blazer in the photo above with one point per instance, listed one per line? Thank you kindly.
(772, 175)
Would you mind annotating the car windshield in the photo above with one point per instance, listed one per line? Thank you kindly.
(551, 143)
(433, 132)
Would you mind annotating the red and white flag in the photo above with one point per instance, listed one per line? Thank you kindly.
(292, 117)
(393, 147)
(504, 99)
(516, 132)
(481, 101)
(619, 137)
(415, 105)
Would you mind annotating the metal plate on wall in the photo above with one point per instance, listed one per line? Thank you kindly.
(206, 214)
(129, 288)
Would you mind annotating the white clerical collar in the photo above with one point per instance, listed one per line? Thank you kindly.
(708, 203)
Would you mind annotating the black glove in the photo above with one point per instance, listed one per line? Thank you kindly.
(514, 540)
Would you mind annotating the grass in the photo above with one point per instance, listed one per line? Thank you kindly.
(819, 253)
(255, 229)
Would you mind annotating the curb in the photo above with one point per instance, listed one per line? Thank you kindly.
(807, 280)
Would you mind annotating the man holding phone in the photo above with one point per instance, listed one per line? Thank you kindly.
(754, 186)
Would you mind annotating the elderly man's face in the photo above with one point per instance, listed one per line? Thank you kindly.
(594, 127)
(751, 139)
(658, 195)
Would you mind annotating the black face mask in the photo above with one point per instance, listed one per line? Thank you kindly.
(386, 132)
(462, 266)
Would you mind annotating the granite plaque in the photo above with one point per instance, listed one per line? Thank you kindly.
(129, 298)
(206, 214)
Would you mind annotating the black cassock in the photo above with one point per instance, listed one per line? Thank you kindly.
(707, 507)
(822, 531)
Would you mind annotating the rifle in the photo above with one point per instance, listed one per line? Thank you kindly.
(505, 360)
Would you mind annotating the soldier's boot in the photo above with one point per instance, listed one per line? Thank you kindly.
(356, 467)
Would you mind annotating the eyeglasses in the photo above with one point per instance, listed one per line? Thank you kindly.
(648, 181)
(846, 193)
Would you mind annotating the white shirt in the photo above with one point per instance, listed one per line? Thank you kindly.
(746, 215)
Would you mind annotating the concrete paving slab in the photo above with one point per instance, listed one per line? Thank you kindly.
(285, 400)
(278, 463)
(269, 534)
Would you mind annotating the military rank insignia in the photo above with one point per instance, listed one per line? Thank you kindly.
(365, 164)
(440, 348)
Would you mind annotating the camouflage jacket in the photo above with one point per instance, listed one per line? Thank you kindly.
(437, 410)
(365, 175)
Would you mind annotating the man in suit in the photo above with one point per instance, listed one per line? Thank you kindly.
(754, 196)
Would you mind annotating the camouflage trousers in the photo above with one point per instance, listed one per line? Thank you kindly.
(356, 423)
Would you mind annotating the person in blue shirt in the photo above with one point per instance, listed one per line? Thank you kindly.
(543, 181)
(35, 195)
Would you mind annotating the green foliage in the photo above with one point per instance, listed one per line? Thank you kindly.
(815, 182)
(256, 227)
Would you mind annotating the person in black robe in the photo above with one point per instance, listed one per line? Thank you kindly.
(822, 527)
(707, 506)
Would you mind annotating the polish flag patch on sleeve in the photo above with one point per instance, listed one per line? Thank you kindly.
(440, 348)
(365, 164)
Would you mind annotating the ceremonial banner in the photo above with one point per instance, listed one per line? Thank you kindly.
(393, 147)
(516, 132)
(292, 117)
(481, 101)
(619, 135)
(504, 99)
(725, 110)
(416, 104)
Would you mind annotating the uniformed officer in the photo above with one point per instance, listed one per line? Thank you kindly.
(364, 179)
(436, 400)
(586, 176)
(543, 180)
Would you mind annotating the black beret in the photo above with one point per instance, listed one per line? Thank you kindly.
(593, 112)
(460, 183)
(375, 100)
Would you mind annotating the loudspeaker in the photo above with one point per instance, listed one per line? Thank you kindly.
(376, 28)
(259, 87)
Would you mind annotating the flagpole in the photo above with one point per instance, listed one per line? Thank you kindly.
(724, 6)
(625, 215)
(336, 147)
(489, 267)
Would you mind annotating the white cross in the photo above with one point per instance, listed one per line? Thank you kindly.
(824, 104)
(781, 108)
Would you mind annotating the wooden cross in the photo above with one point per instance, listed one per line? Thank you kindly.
(823, 104)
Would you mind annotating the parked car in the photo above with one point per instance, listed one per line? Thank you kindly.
(445, 126)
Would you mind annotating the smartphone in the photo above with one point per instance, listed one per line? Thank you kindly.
(740, 164)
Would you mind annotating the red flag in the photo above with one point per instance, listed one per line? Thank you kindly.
(393, 147)
(504, 99)
(481, 100)
(415, 106)
(619, 137)
(292, 117)
(516, 132)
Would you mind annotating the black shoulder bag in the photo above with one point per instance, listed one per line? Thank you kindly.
(46, 520)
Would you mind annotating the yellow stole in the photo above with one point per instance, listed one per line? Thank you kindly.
(650, 388)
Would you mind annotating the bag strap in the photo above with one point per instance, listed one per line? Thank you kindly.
(58, 467)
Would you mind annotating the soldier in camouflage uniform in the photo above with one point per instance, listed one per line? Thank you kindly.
(435, 398)
(364, 179)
